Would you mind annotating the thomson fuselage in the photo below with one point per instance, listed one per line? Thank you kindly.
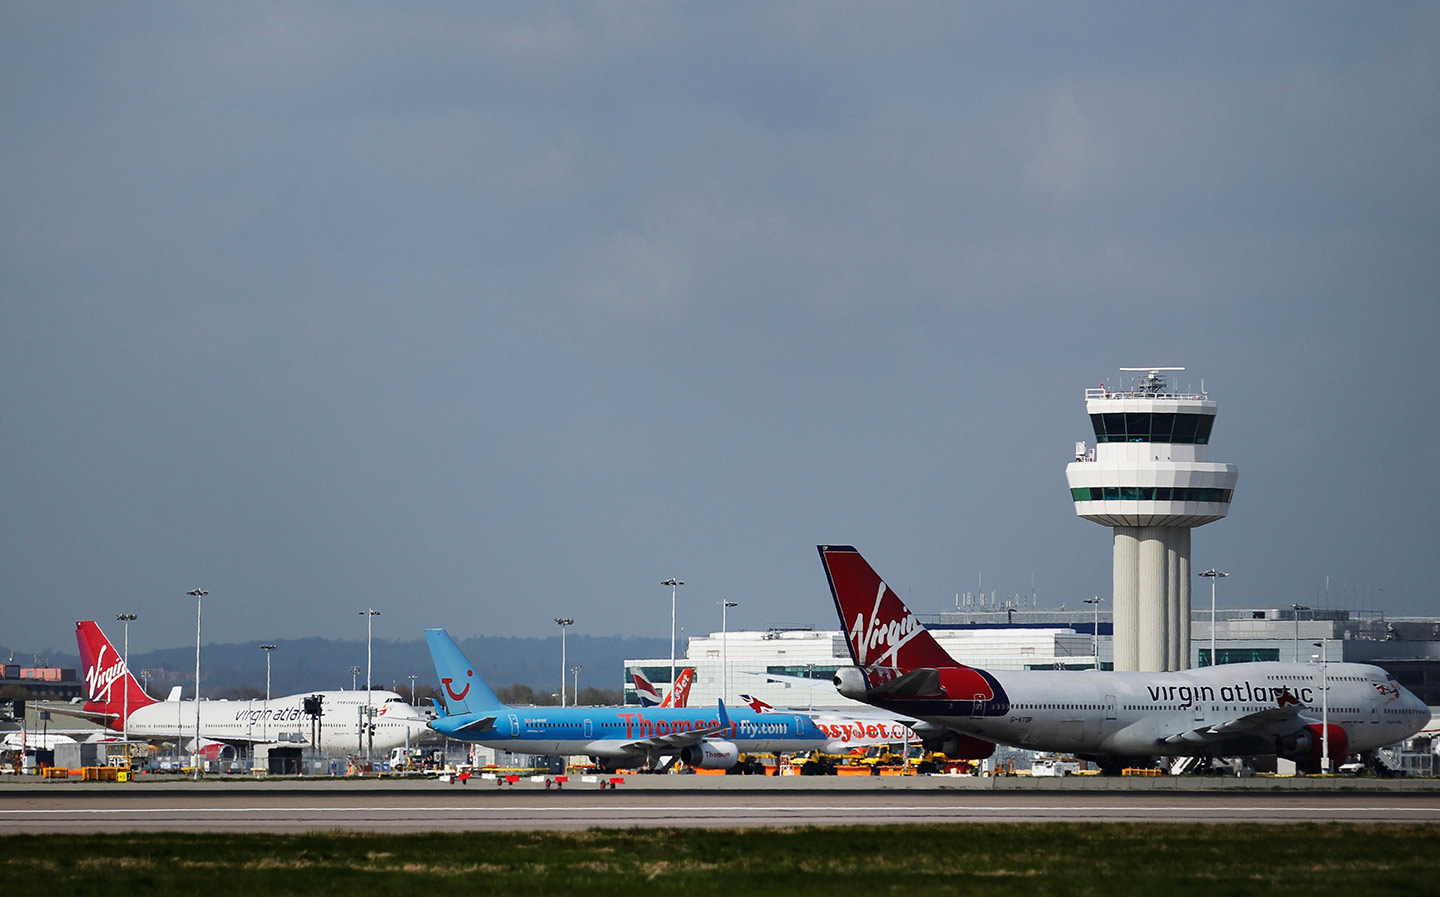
(613, 732)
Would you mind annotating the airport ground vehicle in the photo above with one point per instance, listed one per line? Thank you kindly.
(1054, 765)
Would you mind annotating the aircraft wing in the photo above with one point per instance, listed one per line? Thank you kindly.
(667, 743)
(1259, 721)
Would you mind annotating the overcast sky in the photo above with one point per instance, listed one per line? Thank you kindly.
(484, 314)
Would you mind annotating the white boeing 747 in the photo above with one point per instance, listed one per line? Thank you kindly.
(279, 721)
(1235, 710)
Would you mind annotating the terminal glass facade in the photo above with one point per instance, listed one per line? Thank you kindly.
(806, 671)
(1240, 655)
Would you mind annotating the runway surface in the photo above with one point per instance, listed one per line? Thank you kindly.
(451, 810)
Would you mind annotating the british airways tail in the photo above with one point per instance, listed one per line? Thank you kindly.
(110, 688)
(460, 688)
(881, 631)
(645, 689)
(649, 695)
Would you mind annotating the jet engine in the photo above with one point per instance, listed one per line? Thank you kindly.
(960, 747)
(1307, 746)
(710, 755)
(850, 682)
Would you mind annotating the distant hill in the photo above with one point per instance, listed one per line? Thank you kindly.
(316, 663)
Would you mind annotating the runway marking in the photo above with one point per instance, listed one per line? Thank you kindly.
(670, 808)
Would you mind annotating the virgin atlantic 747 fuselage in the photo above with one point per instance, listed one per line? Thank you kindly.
(1235, 710)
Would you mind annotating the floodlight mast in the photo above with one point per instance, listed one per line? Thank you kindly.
(674, 584)
(125, 664)
(563, 622)
(197, 594)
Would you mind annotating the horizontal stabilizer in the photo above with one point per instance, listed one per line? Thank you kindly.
(914, 684)
(483, 724)
(76, 710)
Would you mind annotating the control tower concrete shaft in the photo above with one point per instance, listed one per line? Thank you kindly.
(1148, 477)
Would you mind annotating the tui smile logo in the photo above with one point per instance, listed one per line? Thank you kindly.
(454, 695)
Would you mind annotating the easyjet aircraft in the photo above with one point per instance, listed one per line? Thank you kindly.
(1235, 710)
(649, 695)
(111, 691)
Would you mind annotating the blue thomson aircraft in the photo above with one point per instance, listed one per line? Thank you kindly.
(613, 737)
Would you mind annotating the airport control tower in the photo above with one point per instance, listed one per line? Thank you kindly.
(1148, 477)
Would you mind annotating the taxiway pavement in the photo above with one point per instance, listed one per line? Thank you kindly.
(484, 806)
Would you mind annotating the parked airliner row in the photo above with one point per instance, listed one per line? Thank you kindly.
(112, 692)
(621, 736)
(612, 736)
(1302, 712)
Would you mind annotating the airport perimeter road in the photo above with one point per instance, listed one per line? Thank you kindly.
(446, 809)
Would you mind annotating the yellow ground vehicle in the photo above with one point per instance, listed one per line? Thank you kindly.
(897, 759)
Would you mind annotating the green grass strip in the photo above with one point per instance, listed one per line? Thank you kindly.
(1102, 859)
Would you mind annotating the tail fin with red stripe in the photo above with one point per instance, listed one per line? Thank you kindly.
(109, 686)
(679, 692)
(881, 631)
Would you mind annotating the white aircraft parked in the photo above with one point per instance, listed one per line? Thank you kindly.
(33, 741)
(1293, 710)
(279, 721)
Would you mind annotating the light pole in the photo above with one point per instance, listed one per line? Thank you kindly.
(197, 594)
(1212, 574)
(1324, 655)
(724, 649)
(575, 671)
(1096, 601)
(1297, 608)
(674, 584)
(125, 684)
(265, 716)
(354, 677)
(412, 677)
(369, 614)
(563, 622)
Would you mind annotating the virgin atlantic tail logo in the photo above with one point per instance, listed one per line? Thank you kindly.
(886, 638)
(98, 682)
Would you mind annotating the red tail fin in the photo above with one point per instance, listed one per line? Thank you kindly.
(106, 678)
(881, 630)
(680, 692)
